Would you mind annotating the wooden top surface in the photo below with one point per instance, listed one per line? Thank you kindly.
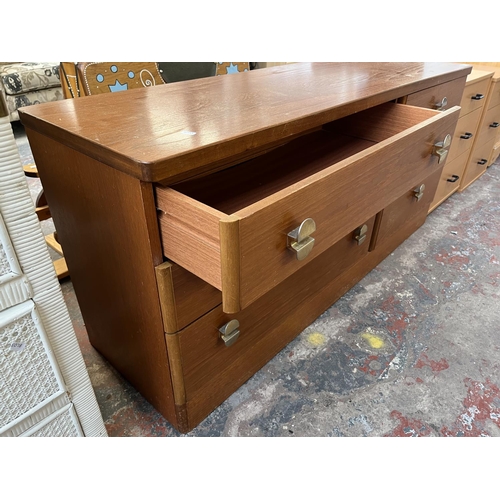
(171, 130)
(478, 75)
(491, 69)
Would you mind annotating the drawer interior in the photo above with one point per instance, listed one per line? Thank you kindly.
(234, 229)
(233, 189)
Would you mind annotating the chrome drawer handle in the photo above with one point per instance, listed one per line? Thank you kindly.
(230, 332)
(494, 125)
(441, 104)
(477, 97)
(299, 241)
(454, 178)
(419, 192)
(467, 135)
(440, 149)
(482, 161)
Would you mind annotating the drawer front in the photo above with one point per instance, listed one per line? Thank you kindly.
(183, 296)
(495, 153)
(62, 423)
(474, 96)
(14, 286)
(252, 248)
(449, 181)
(208, 371)
(464, 135)
(405, 209)
(494, 99)
(27, 366)
(36, 417)
(432, 98)
(478, 162)
(489, 126)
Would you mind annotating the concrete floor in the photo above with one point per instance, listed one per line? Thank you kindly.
(411, 350)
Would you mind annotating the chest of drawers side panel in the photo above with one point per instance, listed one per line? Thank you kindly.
(106, 222)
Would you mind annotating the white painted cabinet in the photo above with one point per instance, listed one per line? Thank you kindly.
(45, 389)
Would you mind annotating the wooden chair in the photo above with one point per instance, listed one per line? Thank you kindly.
(227, 68)
(43, 212)
(91, 78)
(84, 79)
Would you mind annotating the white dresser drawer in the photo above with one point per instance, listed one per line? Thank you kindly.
(29, 375)
(63, 423)
(14, 286)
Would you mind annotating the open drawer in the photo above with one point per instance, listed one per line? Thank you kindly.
(237, 229)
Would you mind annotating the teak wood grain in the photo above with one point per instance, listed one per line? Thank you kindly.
(347, 192)
(190, 234)
(176, 129)
(406, 208)
(99, 156)
(429, 97)
(183, 296)
(212, 371)
(239, 187)
(106, 223)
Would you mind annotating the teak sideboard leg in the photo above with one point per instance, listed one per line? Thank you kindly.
(106, 222)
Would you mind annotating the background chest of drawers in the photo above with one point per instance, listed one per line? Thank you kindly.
(207, 223)
(487, 133)
(44, 386)
(460, 169)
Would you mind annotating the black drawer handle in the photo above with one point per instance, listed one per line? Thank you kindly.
(467, 135)
(477, 97)
(494, 125)
(454, 178)
(482, 161)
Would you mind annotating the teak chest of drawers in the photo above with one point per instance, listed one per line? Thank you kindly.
(206, 223)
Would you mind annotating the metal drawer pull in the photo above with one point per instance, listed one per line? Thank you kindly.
(360, 234)
(299, 240)
(419, 192)
(441, 104)
(440, 149)
(230, 332)
(482, 161)
(454, 178)
(477, 97)
(494, 125)
(467, 135)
